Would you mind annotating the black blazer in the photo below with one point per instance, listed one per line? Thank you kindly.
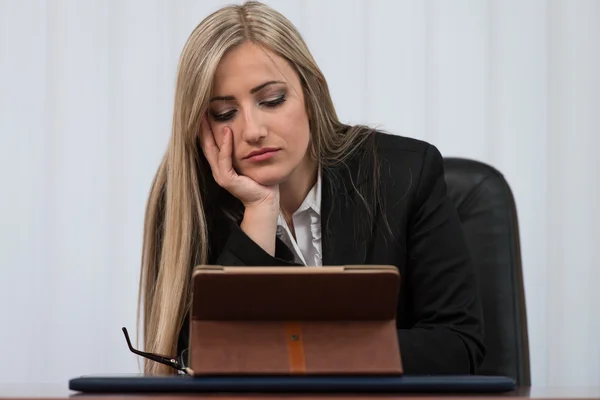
(439, 318)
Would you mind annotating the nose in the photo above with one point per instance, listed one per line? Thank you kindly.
(253, 130)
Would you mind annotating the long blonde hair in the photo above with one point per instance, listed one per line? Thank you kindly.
(175, 227)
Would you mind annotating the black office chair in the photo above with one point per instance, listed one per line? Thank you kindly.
(487, 210)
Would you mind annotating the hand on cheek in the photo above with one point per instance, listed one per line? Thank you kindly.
(220, 139)
(218, 134)
(220, 158)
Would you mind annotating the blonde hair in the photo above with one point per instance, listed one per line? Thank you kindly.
(175, 228)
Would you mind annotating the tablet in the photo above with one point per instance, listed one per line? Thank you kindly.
(295, 320)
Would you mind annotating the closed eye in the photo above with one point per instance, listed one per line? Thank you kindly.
(276, 102)
(224, 117)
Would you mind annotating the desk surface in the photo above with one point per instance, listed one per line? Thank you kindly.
(32, 391)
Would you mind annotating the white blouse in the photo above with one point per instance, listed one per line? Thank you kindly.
(307, 247)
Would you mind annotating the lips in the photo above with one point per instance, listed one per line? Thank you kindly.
(262, 151)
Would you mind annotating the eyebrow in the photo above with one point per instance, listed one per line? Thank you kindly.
(252, 91)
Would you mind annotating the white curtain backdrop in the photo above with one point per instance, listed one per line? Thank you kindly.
(86, 92)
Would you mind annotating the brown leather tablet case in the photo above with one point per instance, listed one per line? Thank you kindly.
(299, 320)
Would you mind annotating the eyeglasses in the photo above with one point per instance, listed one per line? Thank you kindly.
(178, 363)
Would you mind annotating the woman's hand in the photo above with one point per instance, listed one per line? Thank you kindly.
(251, 193)
(261, 203)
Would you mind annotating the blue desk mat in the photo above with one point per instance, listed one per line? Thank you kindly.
(292, 384)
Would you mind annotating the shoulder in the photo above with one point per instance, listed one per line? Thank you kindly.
(395, 148)
(400, 155)
(408, 169)
(397, 167)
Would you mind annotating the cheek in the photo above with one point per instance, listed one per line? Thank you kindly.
(301, 140)
(297, 132)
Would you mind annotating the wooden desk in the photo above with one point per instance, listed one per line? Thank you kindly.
(61, 392)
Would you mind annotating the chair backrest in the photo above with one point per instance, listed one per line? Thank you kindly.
(486, 207)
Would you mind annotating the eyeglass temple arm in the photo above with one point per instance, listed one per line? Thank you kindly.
(172, 362)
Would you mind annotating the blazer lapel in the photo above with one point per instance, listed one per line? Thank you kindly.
(342, 231)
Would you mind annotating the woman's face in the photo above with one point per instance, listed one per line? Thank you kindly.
(258, 96)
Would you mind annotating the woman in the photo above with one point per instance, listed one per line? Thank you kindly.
(260, 171)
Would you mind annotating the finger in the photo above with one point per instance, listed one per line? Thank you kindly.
(209, 146)
(224, 160)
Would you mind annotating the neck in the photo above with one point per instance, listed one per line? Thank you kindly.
(293, 191)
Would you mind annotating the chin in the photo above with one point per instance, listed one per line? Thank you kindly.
(268, 176)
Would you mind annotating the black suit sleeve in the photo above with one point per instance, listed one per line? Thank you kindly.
(240, 249)
(447, 337)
